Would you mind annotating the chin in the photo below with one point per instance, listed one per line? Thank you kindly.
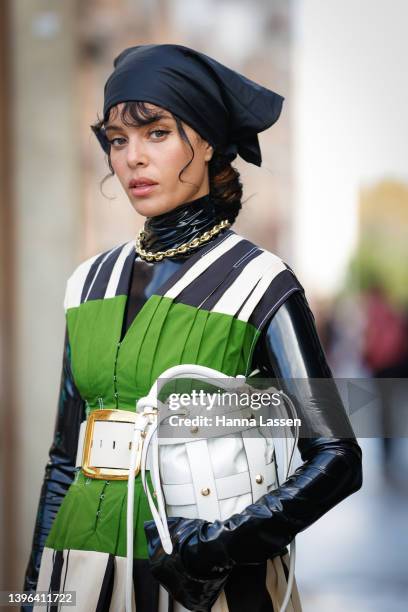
(149, 208)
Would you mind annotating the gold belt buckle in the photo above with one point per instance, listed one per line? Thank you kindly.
(124, 416)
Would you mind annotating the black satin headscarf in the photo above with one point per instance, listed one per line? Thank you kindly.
(227, 109)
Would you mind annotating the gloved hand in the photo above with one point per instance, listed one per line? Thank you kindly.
(195, 591)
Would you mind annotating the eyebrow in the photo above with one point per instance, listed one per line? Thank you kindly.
(113, 127)
(120, 127)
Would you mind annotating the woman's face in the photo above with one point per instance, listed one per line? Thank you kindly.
(157, 153)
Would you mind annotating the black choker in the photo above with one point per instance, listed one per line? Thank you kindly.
(180, 225)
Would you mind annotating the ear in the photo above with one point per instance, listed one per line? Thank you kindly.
(209, 152)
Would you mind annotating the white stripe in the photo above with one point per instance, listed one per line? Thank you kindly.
(232, 299)
(277, 266)
(97, 271)
(76, 282)
(202, 264)
(85, 571)
(117, 269)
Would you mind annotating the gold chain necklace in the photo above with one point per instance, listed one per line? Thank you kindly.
(183, 248)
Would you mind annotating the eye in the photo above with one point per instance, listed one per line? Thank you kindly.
(160, 133)
(115, 141)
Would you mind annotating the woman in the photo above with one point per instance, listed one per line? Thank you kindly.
(173, 121)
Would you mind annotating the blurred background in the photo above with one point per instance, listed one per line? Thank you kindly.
(331, 198)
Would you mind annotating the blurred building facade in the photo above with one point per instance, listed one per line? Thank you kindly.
(382, 250)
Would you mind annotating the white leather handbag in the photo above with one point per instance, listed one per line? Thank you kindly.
(208, 477)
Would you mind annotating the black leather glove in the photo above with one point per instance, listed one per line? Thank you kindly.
(194, 592)
(60, 469)
(205, 552)
(289, 349)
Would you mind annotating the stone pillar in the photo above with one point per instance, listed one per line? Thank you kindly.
(8, 500)
(48, 232)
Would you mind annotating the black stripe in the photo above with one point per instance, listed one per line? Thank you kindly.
(284, 283)
(206, 289)
(89, 277)
(102, 279)
(105, 595)
(126, 274)
(174, 278)
(236, 270)
(66, 570)
(56, 576)
(146, 586)
(170, 607)
(246, 591)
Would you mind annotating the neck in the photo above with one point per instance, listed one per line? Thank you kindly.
(180, 225)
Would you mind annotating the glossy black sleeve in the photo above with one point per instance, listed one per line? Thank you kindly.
(289, 350)
(60, 468)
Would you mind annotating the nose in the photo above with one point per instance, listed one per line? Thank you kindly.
(136, 152)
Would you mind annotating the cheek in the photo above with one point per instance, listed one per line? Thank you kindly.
(118, 165)
(172, 161)
(169, 161)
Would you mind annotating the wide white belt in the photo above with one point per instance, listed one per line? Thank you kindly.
(109, 443)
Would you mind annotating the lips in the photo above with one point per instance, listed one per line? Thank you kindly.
(141, 182)
(142, 187)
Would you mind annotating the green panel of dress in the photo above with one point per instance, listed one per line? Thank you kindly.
(113, 374)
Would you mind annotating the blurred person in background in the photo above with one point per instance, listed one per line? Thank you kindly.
(385, 354)
(173, 121)
(342, 332)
